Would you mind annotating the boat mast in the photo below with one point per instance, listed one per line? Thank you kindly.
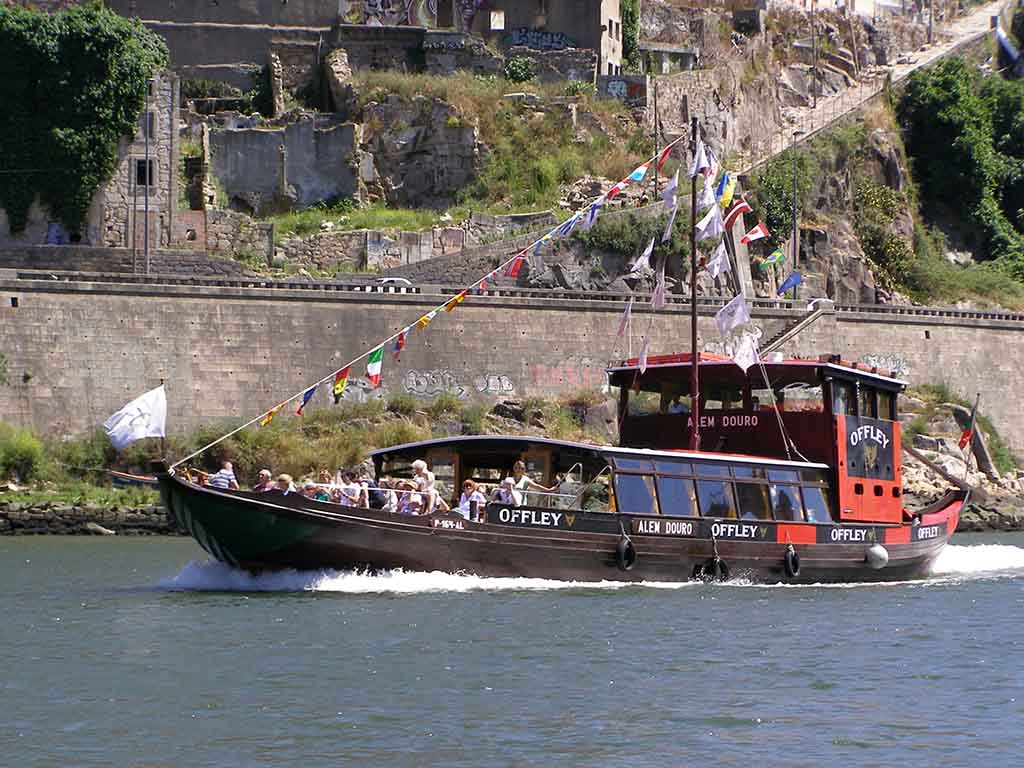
(694, 354)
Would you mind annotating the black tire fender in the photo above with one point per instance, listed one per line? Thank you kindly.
(791, 562)
(625, 554)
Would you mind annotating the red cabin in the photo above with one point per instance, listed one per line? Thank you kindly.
(825, 410)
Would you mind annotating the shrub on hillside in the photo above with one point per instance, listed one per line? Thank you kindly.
(520, 69)
(21, 454)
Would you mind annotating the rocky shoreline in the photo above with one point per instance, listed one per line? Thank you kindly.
(47, 518)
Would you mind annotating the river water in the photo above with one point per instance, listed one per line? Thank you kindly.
(139, 652)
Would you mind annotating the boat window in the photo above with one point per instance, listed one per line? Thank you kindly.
(813, 476)
(786, 502)
(716, 499)
(761, 399)
(753, 501)
(676, 497)
(674, 398)
(817, 506)
(783, 476)
(644, 403)
(674, 467)
(596, 497)
(635, 494)
(842, 398)
(712, 470)
(397, 466)
(801, 397)
(640, 465)
(752, 472)
(866, 401)
(886, 406)
(725, 397)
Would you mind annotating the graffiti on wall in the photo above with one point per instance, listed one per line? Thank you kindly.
(390, 13)
(539, 40)
(494, 385)
(630, 90)
(433, 383)
(362, 391)
(895, 365)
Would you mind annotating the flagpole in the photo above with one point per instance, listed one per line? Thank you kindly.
(694, 354)
(655, 137)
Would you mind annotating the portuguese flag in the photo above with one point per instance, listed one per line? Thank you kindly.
(373, 365)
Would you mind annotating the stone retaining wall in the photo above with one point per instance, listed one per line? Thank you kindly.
(18, 519)
(63, 258)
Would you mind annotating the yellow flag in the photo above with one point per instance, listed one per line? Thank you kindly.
(456, 300)
(270, 416)
(730, 187)
(424, 321)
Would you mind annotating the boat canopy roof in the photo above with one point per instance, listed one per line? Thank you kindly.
(509, 444)
(661, 368)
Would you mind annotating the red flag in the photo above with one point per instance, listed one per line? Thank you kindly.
(399, 345)
(340, 382)
(755, 234)
(665, 154)
(968, 433)
(512, 270)
(738, 208)
(616, 189)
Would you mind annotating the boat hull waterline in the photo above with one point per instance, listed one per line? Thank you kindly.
(260, 532)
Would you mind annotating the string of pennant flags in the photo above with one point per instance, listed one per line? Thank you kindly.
(585, 219)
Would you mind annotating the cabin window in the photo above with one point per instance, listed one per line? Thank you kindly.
(759, 473)
(842, 398)
(639, 465)
(866, 401)
(817, 506)
(716, 498)
(801, 397)
(674, 398)
(783, 476)
(761, 399)
(724, 397)
(676, 497)
(712, 470)
(786, 502)
(644, 403)
(753, 501)
(635, 494)
(674, 467)
(813, 476)
(886, 406)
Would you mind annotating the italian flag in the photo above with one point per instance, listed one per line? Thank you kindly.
(373, 366)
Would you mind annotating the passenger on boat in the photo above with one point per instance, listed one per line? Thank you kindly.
(506, 493)
(285, 484)
(375, 497)
(311, 491)
(524, 483)
(323, 477)
(677, 407)
(412, 505)
(472, 502)
(264, 482)
(224, 479)
(352, 493)
(385, 489)
(425, 484)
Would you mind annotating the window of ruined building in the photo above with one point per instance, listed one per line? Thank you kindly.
(140, 173)
(497, 20)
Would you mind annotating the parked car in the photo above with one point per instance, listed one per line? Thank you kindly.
(393, 281)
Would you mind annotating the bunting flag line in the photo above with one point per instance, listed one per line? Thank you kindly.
(727, 193)
(569, 225)
(616, 189)
(626, 316)
(482, 285)
(707, 196)
(340, 382)
(512, 270)
(700, 160)
(732, 315)
(792, 281)
(399, 345)
(775, 257)
(424, 321)
(592, 214)
(658, 295)
(746, 353)
(644, 260)
(269, 417)
(759, 231)
(711, 225)
(374, 363)
(665, 153)
(639, 172)
(643, 356)
(740, 207)
(667, 234)
(455, 301)
(670, 194)
(719, 262)
(306, 397)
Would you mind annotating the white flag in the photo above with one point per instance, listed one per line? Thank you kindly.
(667, 234)
(669, 195)
(712, 170)
(745, 353)
(644, 262)
(658, 296)
(711, 225)
(643, 356)
(707, 196)
(592, 214)
(626, 316)
(699, 164)
(719, 262)
(732, 315)
(145, 416)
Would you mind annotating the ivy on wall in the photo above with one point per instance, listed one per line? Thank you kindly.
(630, 11)
(71, 84)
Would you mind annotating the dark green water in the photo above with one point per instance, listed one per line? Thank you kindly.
(134, 652)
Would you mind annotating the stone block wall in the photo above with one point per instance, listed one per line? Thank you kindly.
(575, 64)
(231, 233)
(71, 258)
(327, 249)
(630, 89)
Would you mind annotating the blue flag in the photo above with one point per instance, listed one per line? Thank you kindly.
(720, 190)
(792, 281)
(306, 398)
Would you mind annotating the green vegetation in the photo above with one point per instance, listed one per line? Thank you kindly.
(774, 185)
(346, 215)
(935, 395)
(629, 10)
(3, 369)
(520, 69)
(78, 79)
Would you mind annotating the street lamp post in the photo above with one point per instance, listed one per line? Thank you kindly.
(796, 243)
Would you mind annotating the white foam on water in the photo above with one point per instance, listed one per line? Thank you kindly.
(212, 576)
(978, 559)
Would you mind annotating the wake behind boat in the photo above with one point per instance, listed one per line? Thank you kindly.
(645, 511)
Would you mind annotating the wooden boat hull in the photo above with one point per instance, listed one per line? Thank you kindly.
(272, 531)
